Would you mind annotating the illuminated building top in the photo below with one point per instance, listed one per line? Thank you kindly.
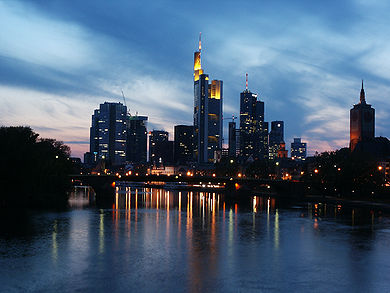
(197, 61)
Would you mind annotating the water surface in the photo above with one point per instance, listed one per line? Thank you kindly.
(153, 240)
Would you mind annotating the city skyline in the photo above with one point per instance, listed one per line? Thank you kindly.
(59, 61)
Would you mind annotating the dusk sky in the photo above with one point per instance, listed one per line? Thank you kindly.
(60, 59)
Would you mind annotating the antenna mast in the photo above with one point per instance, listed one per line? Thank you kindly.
(200, 41)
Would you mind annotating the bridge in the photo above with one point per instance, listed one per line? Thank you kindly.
(104, 185)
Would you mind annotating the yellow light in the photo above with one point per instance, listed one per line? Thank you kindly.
(214, 175)
(380, 168)
(316, 171)
(188, 173)
(239, 175)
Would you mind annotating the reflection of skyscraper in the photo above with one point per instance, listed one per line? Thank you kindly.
(184, 144)
(207, 113)
(108, 133)
(136, 139)
(362, 121)
(298, 149)
(276, 137)
(253, 128)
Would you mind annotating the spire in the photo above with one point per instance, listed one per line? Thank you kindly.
(197, 61)
(200, 41)
(246, 82)
(362, 95)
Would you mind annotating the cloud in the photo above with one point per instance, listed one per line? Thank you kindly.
(59, 61)
(36, 39)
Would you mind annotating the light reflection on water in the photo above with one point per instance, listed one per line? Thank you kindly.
(158, 240)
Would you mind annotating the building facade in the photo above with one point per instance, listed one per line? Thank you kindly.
(136, 148)
(214, 136)
(253, 128)
(108, 134)
(276, 137)
(362, 122)
(207, 113)
(298, 149)
(184, 144)
(232, 139)
(160, 148)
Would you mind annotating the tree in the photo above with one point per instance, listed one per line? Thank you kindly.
(34, 171)
(344, 173)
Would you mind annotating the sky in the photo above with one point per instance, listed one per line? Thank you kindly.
(60, 59)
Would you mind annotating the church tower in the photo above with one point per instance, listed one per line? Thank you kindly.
(362, 121)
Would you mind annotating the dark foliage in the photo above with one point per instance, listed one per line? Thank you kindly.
(260, 169)
(347, 174)
(227, 168)
(34, 171)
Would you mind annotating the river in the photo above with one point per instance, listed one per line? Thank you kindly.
(153, 240)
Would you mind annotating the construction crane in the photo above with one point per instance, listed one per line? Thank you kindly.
(124, 101)
(233, 118)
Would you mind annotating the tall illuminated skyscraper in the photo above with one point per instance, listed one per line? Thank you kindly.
(362, 121)
(214, 118)
(207, 113)
(253, 128)
(108, 133)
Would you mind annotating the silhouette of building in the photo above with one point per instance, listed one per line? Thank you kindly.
(362, 122)
(136, 149)
(253, 128)
(160, 148)
(108, 134)
(184, 144)
(207, 113)
(232, 139)
(276, 137)
(298, 150)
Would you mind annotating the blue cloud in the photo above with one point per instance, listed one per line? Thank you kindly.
(305, 58)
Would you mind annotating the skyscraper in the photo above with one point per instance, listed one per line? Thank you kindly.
(160, 148)
(232, 139)
(253, 128)
(184, 144)
(136, 139)
(276, 137)
(108, 133)
(362, 121)
(214, 118)
(207, 113)
(298, 149)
